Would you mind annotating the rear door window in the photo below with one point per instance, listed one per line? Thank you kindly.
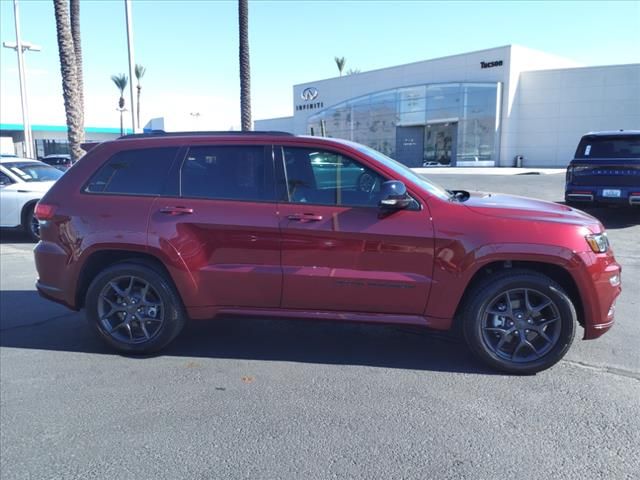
(602, 147)
(134, 172)
(228, 173)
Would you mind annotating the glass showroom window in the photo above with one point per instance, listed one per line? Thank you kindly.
(443, 103)
(458, 119)
(477, 131)
(412, 105)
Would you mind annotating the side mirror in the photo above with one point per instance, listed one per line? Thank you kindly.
(393, 195)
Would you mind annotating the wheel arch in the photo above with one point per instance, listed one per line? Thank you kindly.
(102, 259)
(552, 270)
(25, 210)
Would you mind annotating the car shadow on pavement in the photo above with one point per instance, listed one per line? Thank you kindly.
(45, 326)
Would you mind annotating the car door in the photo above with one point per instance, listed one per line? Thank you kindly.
(223, 226)
(9, 201)
(338, 252)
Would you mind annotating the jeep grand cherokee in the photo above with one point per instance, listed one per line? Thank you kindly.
(148, 231)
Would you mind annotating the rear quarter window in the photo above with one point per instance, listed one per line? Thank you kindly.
(134, 172)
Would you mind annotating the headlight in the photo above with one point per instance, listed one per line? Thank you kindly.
(599, 243)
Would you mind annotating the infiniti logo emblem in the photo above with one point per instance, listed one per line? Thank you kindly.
(309, 93)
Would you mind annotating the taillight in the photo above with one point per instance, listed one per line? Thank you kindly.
(569, 174)
(44, 211)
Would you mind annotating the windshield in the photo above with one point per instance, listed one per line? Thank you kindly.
(403, 170)
(33, 172)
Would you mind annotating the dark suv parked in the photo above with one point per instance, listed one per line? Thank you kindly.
(149, 230)
(606, 169)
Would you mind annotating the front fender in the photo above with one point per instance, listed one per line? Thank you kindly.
(454, 269)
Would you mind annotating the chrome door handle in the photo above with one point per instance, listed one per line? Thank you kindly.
(304, 217)
(176, 210)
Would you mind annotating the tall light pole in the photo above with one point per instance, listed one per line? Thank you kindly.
(127, 14)
(19, 46)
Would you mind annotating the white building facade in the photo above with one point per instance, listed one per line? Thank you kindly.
(482, 108)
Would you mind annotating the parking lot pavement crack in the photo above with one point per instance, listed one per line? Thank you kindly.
(36, 324)
(621, 372)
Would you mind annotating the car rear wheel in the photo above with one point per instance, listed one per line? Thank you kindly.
(134, 308)
(519, 322)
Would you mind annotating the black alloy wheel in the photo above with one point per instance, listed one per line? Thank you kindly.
(519, 321)
(135, 308)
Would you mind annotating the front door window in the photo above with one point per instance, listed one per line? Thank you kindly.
(325, 178)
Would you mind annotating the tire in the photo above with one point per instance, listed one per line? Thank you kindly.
(131, 317)
(502, 331)
(30, 224)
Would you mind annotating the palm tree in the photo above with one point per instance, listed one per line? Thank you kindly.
(139, 71)
(69, 72)
(74, 6)
(121, 82)
(340, 63)
(245, 73)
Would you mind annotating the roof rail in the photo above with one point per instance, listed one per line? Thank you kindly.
(162, 133)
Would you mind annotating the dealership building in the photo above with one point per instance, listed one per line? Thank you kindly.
(494, 107)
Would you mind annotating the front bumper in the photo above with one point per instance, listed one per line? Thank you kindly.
(599, 286)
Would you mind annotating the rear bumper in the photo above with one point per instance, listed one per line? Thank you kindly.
(52, 293)
(629, 196)
(55, 280)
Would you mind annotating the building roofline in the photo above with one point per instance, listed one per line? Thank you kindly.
(582, 67)
(509, 46)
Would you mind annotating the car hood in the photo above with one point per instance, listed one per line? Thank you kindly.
(524, 208)
(36, 187)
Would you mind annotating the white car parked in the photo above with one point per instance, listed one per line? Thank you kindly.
(22, 183)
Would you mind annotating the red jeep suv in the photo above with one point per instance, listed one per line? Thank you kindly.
(149, 230)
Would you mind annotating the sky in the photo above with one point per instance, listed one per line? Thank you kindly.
(190, 48)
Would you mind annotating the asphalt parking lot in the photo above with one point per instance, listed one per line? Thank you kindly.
(247, 398)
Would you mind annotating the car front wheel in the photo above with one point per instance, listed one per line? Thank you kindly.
(519, 321)
(134, 308)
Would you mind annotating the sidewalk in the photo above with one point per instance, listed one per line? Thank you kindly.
(487, 170)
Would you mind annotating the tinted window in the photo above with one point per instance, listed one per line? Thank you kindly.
(33, 171)
(227, 173)
(609, 147)
(327, 178)
(404, 171)
(137, 172)
(4, 179)
(56, 160)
